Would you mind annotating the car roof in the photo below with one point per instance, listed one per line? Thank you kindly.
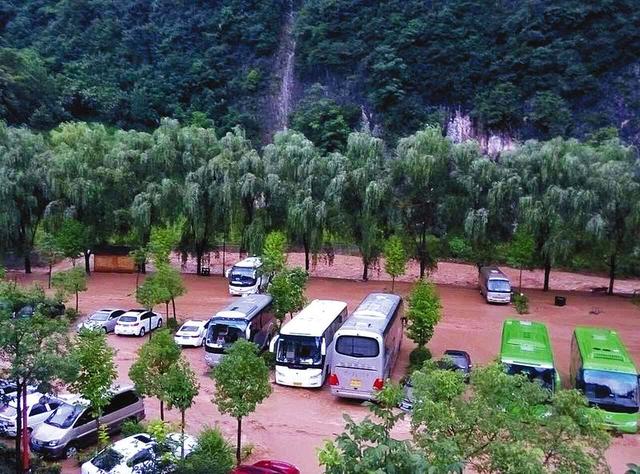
(33, 398)
(133, 444)
(249, 262)
(134, 312)
(194, 322)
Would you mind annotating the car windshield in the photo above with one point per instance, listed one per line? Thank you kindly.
(225, 334)
(99, 316)
(458, 360)
(128, 319)
(612, 391)
(357, 346)
(65, 415)
(107, 459)
(300, 350)
(543, 375)
(186, 328)
(501, 286)
(242, 276)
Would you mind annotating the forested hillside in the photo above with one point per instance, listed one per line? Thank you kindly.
(528, 68)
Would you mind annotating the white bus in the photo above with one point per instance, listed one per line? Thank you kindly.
(246, 277)
(304, 347)
(366, 347)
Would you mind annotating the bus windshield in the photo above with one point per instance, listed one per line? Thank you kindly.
(357, 346)
(241, 276)
(224, 334)
(299, 350)
(543, 375)
(500, 286)
(612, 391)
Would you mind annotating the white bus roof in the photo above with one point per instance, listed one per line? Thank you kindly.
(373, 314)
(314, 319)
(245, 308)
(249, 262)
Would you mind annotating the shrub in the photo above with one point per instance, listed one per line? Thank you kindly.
(521, 303)
(459, 248)
(172, 325)
(71, 314)
(269, 359)
(132, 427)
(418, 357)
(213, 455)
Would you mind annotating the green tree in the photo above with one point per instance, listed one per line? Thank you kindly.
(521, 253)
(367, 446)
(179, 388)
(72, 238)
(395, 259)
(70, 282)
(96, 371)
(49, 251)
(288, 291)
(499, 108)
(149, 294)
(24, 189)
(420, 183)
(494, 424)
(169, 279)
(33, 351)
(423, 312)
(212, 455)
(233, 395)
(3, 272)
(274, 256)
(550, 114)
(155, 359)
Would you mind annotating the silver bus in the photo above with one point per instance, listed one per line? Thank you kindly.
(494, 285)
(250, 318)
(367, 346)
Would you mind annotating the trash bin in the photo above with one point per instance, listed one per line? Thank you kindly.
(560, 301)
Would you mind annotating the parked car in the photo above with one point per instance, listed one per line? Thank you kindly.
(52, 309)
(192, 333)
(138, 453)
(137, 322)
(8, 391)
(267, 467)
(73, 426)
(451, 360)
(494, 285)
(104, 319)
(39, 407)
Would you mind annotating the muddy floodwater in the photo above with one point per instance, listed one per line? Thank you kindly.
(293, 423)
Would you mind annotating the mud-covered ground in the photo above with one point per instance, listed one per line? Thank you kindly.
(293, 423)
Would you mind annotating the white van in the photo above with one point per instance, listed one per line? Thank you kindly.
(305, 344)
(494, 285)
(39, 407)
(246, 277)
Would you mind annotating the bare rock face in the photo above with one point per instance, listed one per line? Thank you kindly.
(460, 129)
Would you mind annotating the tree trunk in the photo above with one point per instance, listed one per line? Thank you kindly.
(423, 266)
(138, 271)
(224, 252)
(76, 301)
(166, 309)
(182, 435)
(198, 261)
(612, 272)
(238, 440)
(25, 433)
(161, 405)
(27, 262)
(520, 282)
(547, 271)
(49, 276)
(306, 254)
(365, 270)
(87, 262)
(393, 283)
(173, 303)
(422, 251)
(18, 439)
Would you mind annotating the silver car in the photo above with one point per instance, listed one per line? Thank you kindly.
(104, 319)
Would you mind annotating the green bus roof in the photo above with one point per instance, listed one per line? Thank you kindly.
(526, 343)
(602, 349)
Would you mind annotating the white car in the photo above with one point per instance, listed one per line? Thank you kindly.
(192, 333)
(39, 407)
(104, 319)
(137, 322)
(136, 454)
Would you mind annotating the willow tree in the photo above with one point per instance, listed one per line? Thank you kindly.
(359, 189)
(24, 189)
(298, 178)
(420, 178)
(615, 215)
(553, 176)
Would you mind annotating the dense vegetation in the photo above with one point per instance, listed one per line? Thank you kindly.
(531, 68)
(578, 203)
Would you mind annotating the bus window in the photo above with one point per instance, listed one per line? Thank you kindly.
(299, 350)
(612, 391)
(543, 375)
(357, 346)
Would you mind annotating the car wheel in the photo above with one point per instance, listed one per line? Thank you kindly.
(202, 342)
(104, 329)
(142, 332)
(159, 323)
(70, 451)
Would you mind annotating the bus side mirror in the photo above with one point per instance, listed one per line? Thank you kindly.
(272, 344)
(323, 348)
(227, 272)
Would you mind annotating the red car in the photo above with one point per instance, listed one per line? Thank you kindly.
(267, 467)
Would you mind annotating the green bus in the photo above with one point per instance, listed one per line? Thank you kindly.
(603, 370)
(526, 349)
